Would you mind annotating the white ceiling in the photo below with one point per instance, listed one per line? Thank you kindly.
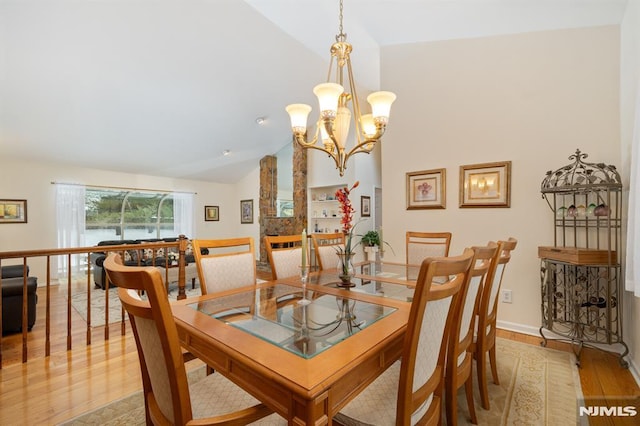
(163, 87)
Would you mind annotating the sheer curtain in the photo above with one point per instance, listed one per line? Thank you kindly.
(70, 219)
(183, 214)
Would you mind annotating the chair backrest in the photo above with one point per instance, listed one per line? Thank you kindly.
(488, 304)
(462, 330)
(164, 377)
(435, 306)
(420, 245)
(325, 246)
(229, 263)
(285, 255)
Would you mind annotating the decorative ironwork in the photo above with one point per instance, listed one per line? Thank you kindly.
(581, 275)
(586, 176)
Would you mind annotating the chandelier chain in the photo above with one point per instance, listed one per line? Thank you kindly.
(341, 35)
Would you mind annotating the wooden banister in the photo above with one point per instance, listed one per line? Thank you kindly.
(28, 255)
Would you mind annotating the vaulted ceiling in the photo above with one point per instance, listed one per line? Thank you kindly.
(164, 87)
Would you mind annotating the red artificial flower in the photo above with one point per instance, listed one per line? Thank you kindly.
(342, 195)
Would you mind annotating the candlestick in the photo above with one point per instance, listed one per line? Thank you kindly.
(304, 249)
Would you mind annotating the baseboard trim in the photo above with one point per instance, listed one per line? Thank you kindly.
(535, 331)
(518, 328)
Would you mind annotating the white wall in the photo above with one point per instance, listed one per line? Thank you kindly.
(629, 104)
(32, 181)
(529, 98)
(249, 189)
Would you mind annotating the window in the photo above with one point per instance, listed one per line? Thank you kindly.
(87, 215)
(113, 214)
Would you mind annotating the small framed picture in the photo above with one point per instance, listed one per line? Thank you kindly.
(211, 213)
(485, 185)
(365, 206)
(426, 189)
(246, 211)
(366, 270)
(13, 211)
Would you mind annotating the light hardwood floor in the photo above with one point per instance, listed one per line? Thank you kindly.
(66, 384)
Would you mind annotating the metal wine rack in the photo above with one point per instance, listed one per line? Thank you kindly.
(580, 273)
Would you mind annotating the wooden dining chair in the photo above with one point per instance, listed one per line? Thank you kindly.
(228, 263)
(410, 391)
(285, 255)
(485, 338)
(325, 247)
(459, 355)
(168, 397)
(420, 245)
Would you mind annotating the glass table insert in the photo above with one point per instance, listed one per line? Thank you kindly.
(274, 314)
(389, 271)
(392, 280)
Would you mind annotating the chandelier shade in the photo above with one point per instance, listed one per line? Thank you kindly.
(339, 105)
(298, 114)
(381, 105)
(328, 95)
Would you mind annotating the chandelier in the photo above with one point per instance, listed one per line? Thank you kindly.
(332, 127)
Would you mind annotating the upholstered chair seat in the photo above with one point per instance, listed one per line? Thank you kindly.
(326, 247)
(377, 404)
(225, 264)
(285, 255)
(459, 354)
(169, 399)
(484, 342)
(420, 245)
(411, 390)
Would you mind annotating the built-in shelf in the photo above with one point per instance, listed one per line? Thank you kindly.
(324, 209)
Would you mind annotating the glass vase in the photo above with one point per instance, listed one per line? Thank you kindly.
(345, 268)
(304, 276)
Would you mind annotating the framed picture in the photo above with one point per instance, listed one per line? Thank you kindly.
(365, 270)
(13, 211)
(246, 211)
(486, 185)
(426, 189)
(365, 206)
(211, 213)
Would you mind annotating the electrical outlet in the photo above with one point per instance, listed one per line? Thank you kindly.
(506, 296)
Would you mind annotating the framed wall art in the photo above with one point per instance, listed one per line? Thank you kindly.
(365, 206)
(246, 211)
(485, 185)
(211, 213)
(365, 269)
(13, 211)
(426, 189)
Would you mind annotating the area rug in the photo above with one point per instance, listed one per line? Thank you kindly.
(98, 304)
(538, 386)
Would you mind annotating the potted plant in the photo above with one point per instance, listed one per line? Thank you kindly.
(370, 241)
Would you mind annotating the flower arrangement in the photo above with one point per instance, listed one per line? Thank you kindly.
(346, 253)
(342, 195)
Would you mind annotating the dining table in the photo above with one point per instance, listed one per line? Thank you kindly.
(304, 354)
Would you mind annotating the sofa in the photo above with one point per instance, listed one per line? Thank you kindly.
(135, 257)
(12, 296)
